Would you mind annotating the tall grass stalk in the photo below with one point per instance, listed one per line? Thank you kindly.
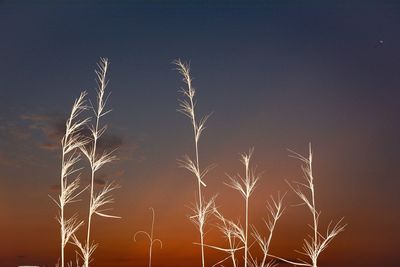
(246, 187)
(187, 107)
(150, 236)
(69, 191)
(317, 242)
(97, 200)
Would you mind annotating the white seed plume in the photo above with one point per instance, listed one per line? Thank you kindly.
(317, 242)
(97, 200)
(246, 187)
(150, 237)
(187, 107)
(71, 141)
(313, 246)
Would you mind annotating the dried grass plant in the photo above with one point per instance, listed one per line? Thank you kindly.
(71, 142)
(318, 241)
(245, 185)
(202, 208)
(98, 201)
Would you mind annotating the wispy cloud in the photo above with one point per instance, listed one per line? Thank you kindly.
(27, 137)
(51, 127)
(6, 160)
(10, 128)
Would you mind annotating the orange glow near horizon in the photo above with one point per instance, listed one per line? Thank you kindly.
(173, 227)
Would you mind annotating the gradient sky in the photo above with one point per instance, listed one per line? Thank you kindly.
(274, 74)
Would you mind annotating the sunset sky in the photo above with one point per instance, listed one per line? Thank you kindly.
(275, 75)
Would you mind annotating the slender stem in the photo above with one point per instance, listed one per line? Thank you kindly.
(232, 252)
(100, 106)
(62, 185)
(247, 217)
(290, 262)
(201, 228)
(314, 211)
(264, 259)
(151, 247)
(269, 241)
(93, 158)
(201, 225)
(233, 258)
(314, 259)
(151, 237)
(62, 208)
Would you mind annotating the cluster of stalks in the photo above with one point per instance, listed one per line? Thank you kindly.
(74, 145)
(237, 236)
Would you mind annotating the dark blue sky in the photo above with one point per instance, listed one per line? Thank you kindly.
(275, 74)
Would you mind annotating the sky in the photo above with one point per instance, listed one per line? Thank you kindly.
(275, 75)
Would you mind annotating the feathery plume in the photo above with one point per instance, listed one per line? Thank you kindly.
(97, 200)
(318, 242)
(246, 187)
(187, 107)
(69, 191)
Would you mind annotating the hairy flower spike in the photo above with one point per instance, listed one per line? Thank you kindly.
(97, 200)
(69, 191)
(246, 187)
(317, 242)
(187, 107)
